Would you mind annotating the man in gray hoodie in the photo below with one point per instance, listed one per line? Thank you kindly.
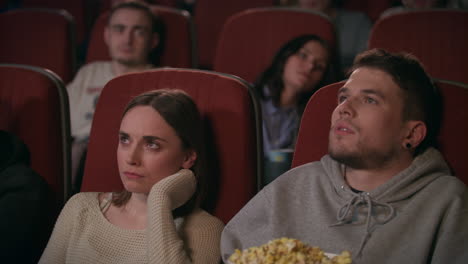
(383, 192)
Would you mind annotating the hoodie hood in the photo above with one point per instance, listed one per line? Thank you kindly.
(377, 207)
(12, 150)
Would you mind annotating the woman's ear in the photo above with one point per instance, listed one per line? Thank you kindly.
(189, 160)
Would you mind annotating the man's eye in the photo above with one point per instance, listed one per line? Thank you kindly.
(118, 28)
(370, 100)
(140, 32)
(341, 98)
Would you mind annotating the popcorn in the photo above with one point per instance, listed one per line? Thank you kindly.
(286, 251)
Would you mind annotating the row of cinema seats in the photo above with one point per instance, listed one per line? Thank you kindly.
(34, 106)
(246, 44)
(208, 15)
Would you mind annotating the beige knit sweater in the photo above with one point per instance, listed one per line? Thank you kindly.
(83, 235)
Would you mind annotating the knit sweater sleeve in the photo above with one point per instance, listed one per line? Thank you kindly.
(201, 243)
(56, 249)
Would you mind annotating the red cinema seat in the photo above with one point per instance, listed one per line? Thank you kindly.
(40, 37)
(34, 106)
(81, 11)
(437, 37)
(250, 39)
(232, 132)
(210, 16)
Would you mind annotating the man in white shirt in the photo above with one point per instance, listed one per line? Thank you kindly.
(131, 34)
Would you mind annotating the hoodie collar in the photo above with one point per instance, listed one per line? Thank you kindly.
(425, 168)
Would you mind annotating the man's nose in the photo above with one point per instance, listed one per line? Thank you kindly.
(346, 108)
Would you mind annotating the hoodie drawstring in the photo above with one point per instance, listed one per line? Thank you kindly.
(344, 216)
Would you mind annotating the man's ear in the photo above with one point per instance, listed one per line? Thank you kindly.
(415, 134)
(189, 160)
(106, 35)
(154, 40)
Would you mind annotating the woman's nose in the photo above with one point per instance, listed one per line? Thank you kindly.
(133, 156)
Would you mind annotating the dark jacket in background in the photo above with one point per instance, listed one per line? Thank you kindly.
(25, 211)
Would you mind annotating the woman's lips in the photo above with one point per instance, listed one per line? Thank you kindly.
(132, 175)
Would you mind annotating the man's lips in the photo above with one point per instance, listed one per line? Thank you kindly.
(343, 128)
(132, 175)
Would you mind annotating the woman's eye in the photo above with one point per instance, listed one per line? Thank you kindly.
(152, 145)
(302, 55)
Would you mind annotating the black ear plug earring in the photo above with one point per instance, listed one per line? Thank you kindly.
(408, 145)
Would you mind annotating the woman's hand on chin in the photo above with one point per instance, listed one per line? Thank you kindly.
(178, 187)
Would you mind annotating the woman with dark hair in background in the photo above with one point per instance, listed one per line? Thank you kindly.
(298, 69)
(352, 28)
(156, 219)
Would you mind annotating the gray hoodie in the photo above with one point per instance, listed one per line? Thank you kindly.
(418, 216)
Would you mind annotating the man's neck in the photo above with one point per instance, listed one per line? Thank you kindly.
(369, 179)
(119, 68)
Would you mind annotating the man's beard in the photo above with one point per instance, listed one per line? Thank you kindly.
(362, 157)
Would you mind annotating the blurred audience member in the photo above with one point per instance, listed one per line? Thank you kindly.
(131, 34)
(25, 204)
(411, 5)
(352, 27)
(298, 69)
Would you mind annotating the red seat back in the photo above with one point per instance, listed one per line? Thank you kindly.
(437, 37)
(34, 106)
(210, 16)
(312, 138)
(39, 37)
(232, 132)
(81, 12)
(250, 39)
(312, 141)
(107, 4)
(178, 41)
(453, 142)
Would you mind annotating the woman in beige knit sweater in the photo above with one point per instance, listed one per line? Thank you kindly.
(156, 218)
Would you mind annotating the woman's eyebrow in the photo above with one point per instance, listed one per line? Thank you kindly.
(153, 138)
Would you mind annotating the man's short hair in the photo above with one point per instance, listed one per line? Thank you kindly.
(156, 23)
(422, 99)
